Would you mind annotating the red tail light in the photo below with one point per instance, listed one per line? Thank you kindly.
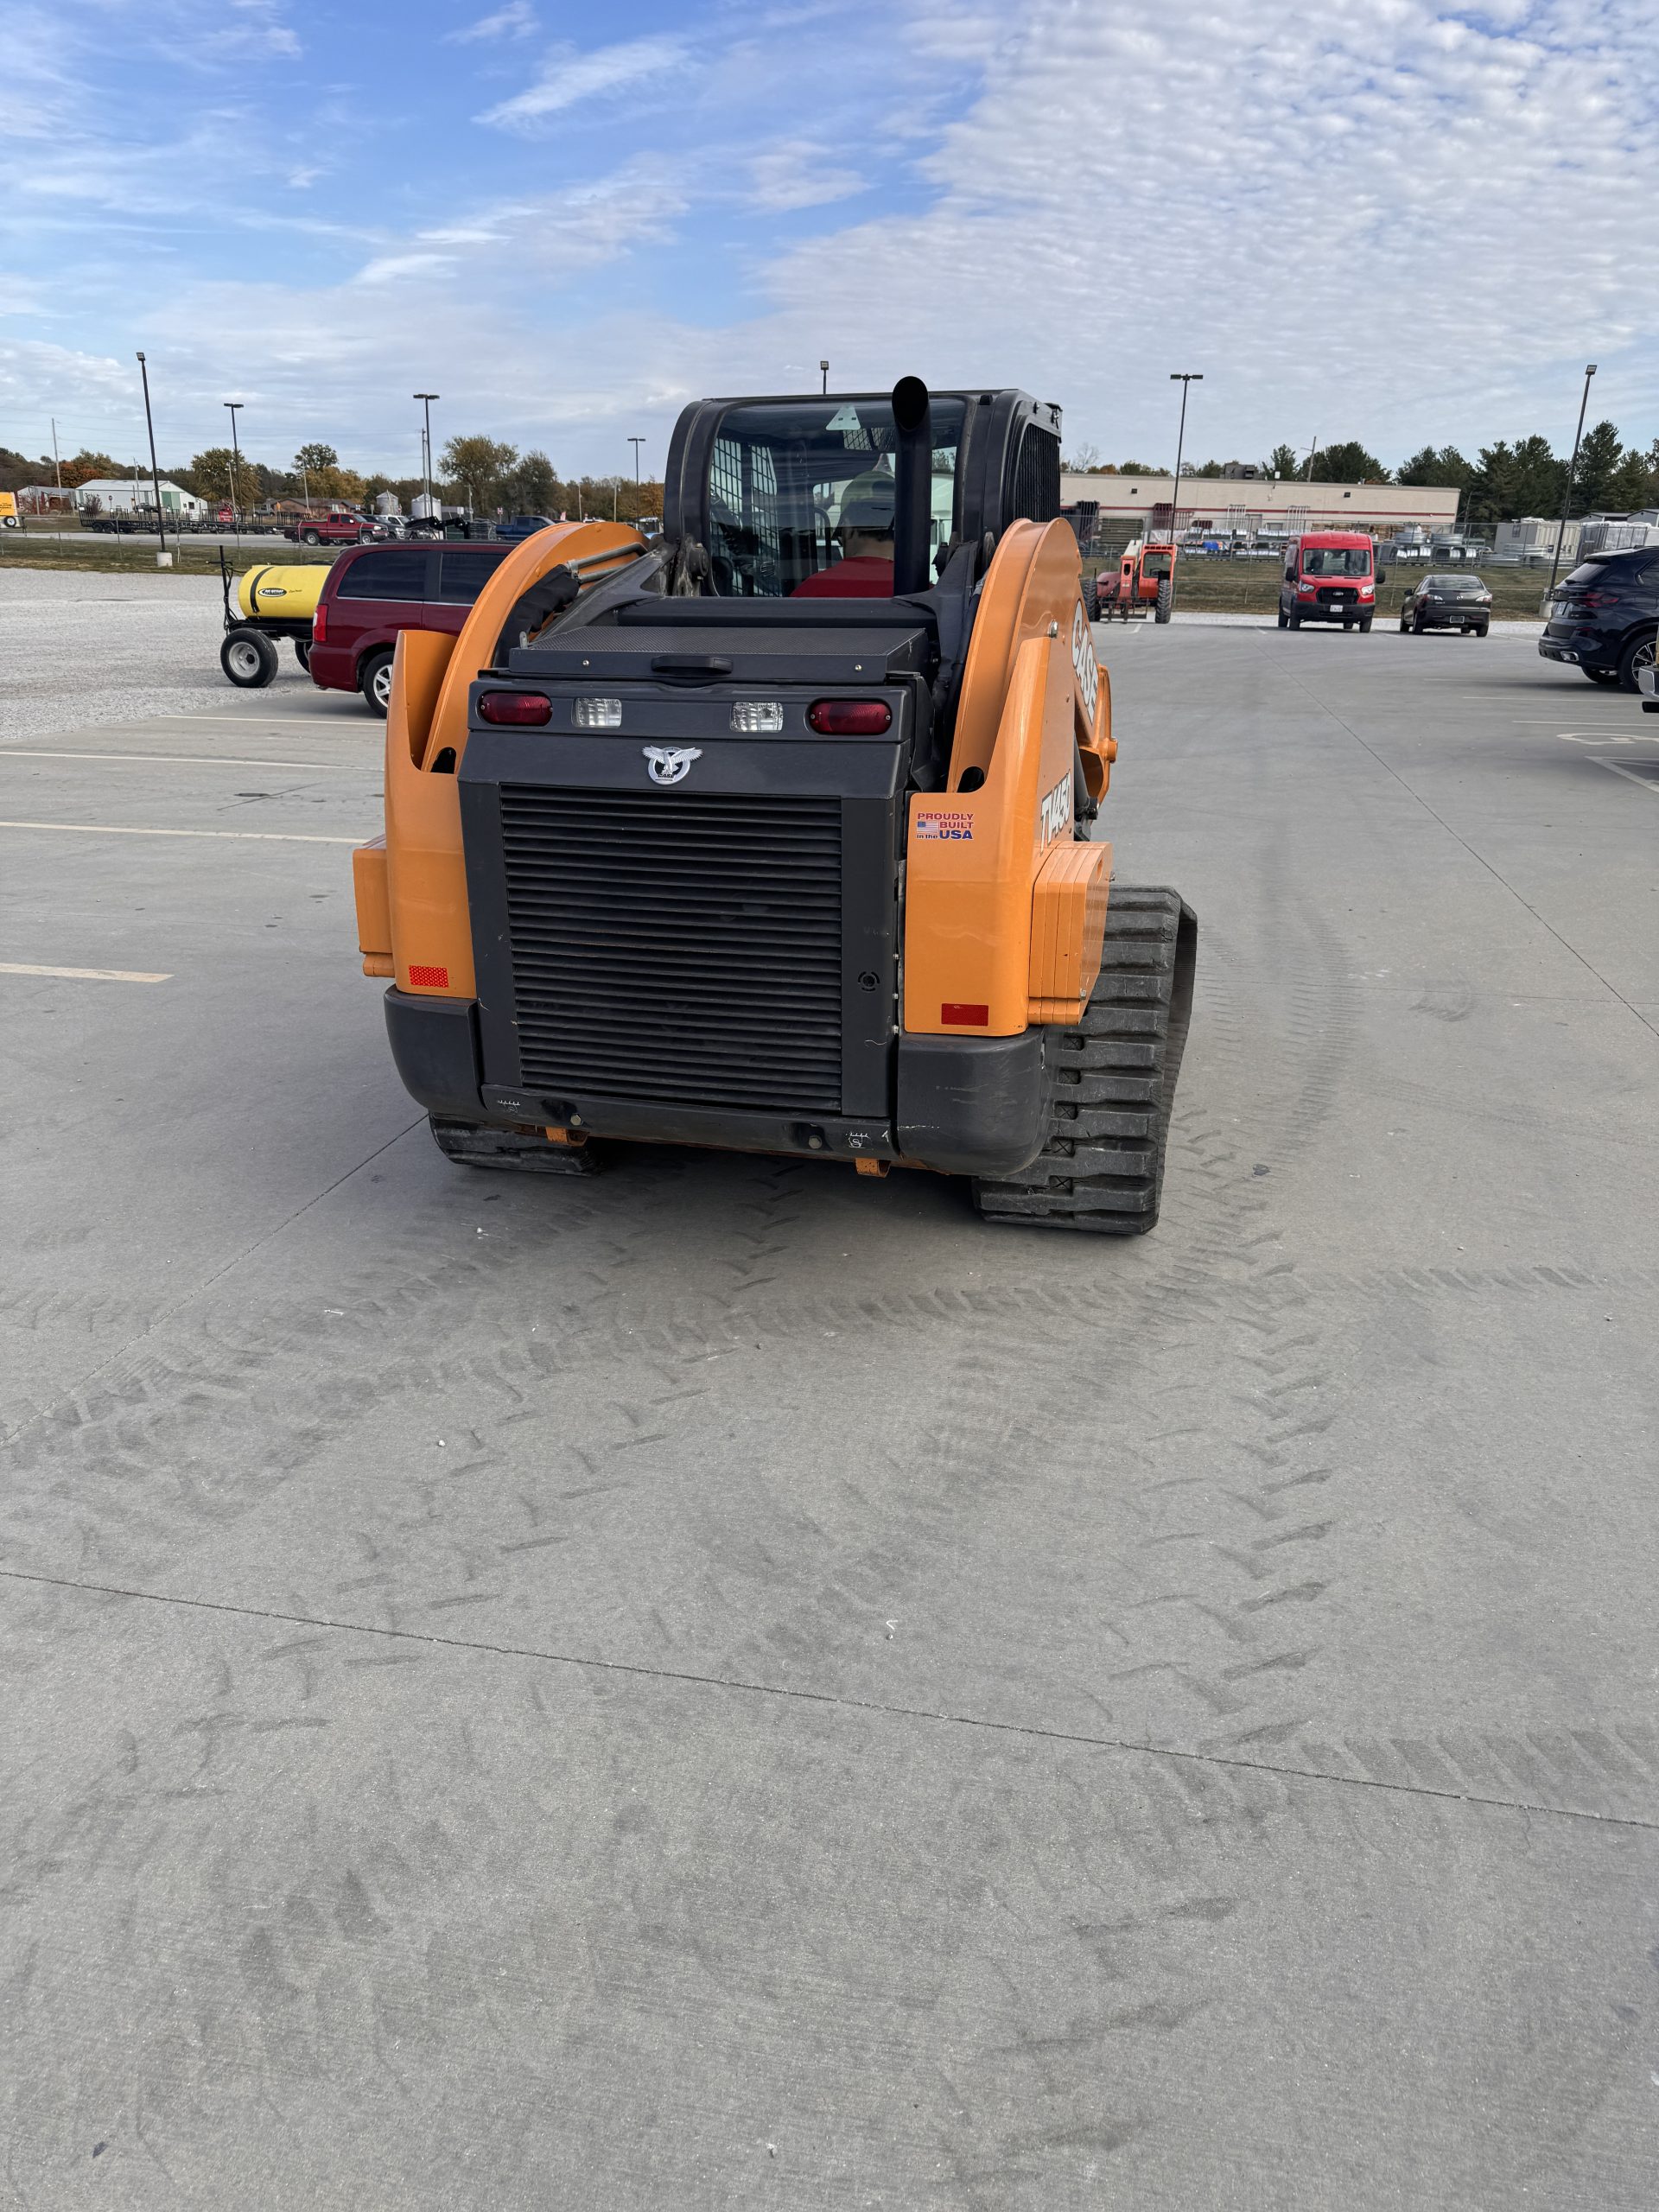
(850, 717)
(319, 624)
(517, 708)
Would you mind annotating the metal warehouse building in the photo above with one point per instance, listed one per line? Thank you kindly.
(1265, 502)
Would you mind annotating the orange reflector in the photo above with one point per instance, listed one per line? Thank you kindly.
(430, 979)
(964, 1017)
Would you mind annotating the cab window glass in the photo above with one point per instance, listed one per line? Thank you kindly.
(1337, 561)
(781, 475)
(463, 575)
(385, 576)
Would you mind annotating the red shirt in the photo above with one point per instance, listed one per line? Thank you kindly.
(865, 577)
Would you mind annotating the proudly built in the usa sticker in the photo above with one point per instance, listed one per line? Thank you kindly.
(934, 823)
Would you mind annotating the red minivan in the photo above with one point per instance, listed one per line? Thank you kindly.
(1330, 577)
(374, 592)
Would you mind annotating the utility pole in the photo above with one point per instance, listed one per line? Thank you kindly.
(155, 473)
(235, 465)
(823, 371)
(1572, 471)
(426, 399)
(1312, 450)
(57, 465)
(1183, 377)
(636, 443)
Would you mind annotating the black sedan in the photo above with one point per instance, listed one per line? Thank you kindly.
(1447, 602)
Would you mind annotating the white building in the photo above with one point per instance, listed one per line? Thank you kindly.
(1625, 533)
(1530, 539)
(127, 495)
(1269, 502)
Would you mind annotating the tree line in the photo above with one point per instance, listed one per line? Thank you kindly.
(479, 472)
(1502, 482)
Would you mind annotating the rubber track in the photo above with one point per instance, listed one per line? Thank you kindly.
(470, 1145)
(1112, 1081)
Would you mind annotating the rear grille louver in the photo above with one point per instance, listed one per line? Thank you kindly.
(683, 949)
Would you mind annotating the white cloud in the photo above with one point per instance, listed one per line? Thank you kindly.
(571, 77)
(1350, 224)
(389, 268)
(802, 175)
(516, 20)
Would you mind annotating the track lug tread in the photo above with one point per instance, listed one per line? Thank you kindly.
(1113, 1078)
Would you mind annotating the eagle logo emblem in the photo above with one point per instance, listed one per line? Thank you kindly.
(668, 764)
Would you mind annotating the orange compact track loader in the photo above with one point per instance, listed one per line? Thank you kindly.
(774, 833)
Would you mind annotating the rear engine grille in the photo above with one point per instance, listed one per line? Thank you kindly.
(685, 949)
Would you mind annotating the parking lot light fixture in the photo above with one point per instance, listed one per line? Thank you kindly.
(1566, 494)
(1183, 377)
(823, 371)
(426, 399)
(155, 473)
(235, 467)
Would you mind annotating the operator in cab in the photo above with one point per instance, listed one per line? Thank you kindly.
(865, 569)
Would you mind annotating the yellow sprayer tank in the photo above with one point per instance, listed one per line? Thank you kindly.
(290, 592)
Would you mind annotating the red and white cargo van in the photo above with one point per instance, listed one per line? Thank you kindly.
(1330, 577)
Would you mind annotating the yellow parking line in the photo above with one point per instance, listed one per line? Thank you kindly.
(83, 975)
(179, 760)
(117, 830)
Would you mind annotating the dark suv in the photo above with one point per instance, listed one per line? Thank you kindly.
(372, 594)
(1604, 616)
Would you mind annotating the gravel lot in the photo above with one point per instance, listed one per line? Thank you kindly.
(96, 649)
(734, 1686)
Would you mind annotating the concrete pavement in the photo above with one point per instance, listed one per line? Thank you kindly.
(728, 1685)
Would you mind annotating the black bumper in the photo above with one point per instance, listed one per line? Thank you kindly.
(1557, 648)
(965, 1105)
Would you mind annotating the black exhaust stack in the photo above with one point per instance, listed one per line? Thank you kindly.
(912, 418)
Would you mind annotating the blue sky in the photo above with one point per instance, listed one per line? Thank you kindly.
(1400, 221)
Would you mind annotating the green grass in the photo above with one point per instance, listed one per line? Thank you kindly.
(100, 555)
(1252, 588)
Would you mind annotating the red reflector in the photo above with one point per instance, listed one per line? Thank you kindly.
(964, 1017)
(515, 707)
(320, 625)
(850, 717)
(431, 979)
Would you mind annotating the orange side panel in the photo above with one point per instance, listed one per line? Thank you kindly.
(972, 856)
(373, 904)
(582, 543)
(1068, 922)
(431, 928)
(430, 924)
(1032, 698)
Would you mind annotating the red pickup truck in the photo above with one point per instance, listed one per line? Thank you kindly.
(339, 526)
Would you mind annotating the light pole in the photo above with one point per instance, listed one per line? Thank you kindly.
(823, 371)
(426, 399)
(1183, 377)
(56, 464)
(1572, 471)
(636, 443)
(155, 473)
(236, 464)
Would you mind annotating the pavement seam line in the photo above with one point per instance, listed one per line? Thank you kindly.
(1611, 989)
(243, 837)
(83, 1381)
(824, 1697)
